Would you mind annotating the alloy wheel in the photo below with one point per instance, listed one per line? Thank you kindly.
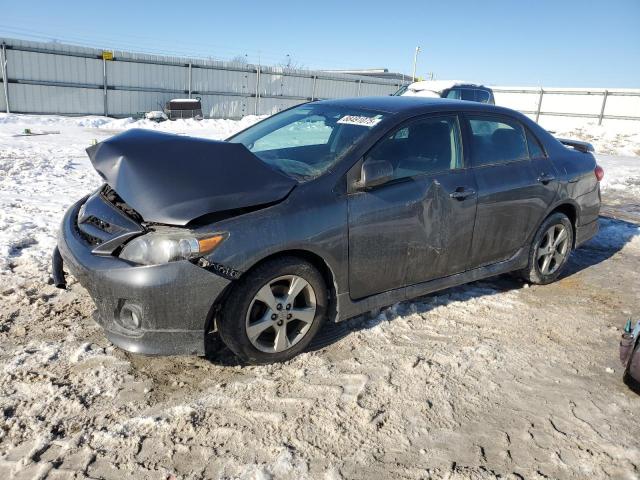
(280, 314)
(553, 249)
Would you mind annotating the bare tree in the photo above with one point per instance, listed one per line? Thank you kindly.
(240, 59)
(290, 62)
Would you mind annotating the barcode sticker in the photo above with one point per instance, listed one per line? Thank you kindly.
(361, 121)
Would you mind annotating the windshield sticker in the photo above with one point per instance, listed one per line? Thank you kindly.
(359, 120)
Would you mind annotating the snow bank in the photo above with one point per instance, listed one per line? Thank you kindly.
(210, 128)
(606, 139)
(621, 175)
(40, 176)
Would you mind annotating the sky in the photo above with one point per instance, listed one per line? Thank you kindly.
(561, 43)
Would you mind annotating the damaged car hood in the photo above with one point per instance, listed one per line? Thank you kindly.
(175, 179)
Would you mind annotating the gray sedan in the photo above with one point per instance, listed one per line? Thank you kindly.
(319, 213)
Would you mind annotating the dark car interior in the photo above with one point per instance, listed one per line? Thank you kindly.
(422, 147)
(311, 160)
(504, 144)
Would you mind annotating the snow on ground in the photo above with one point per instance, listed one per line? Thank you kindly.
(606, 139)
(41, 175)
(621, 175)
(491, 380)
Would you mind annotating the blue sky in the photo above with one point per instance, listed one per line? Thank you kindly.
(551, 43)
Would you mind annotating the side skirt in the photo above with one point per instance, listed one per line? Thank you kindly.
(348, 308)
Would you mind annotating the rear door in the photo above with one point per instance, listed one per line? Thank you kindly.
(419, 225)
(514, 190)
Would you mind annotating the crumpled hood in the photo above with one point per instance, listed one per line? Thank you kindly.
(175, 179)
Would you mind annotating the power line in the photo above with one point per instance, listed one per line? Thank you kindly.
(139, 43)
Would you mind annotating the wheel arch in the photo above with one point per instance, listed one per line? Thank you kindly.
(566, 207)
(313, 258)
(571, 211)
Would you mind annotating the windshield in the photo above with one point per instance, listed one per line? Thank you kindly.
(308, 140)
(400, 91)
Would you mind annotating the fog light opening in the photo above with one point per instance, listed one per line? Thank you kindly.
(130, 317)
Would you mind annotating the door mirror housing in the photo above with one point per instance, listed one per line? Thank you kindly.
(374, 173)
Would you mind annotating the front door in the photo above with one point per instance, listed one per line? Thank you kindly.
(418, 226)
(514, 187)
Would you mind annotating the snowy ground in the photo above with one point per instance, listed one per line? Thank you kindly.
(605, 139)
(490, 380)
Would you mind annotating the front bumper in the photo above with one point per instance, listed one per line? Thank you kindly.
(172, 301)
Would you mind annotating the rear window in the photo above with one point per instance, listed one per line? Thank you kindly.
(483, 96)
(496, 140)
(469, 94)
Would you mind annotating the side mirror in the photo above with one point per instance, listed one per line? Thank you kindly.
(374, 173)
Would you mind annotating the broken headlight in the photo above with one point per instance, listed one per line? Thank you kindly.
(159, 247)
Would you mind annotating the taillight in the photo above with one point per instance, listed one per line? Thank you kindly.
(599, 172)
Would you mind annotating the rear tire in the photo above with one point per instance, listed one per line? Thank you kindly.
(549, 251)
(274, 311)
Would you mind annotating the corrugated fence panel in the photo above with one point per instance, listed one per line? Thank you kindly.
(26, 98)
(125, 102)
(336, 88)
(208, 80)
(370, 90)
(53, 68)
(222, 106)
(147, 76)
(279, 84)
(3, 105)
(269, 106)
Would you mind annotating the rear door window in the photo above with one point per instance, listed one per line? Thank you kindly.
(535, 150)
(496, 140)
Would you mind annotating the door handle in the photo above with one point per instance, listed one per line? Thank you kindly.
(461, 193)
(546, 178)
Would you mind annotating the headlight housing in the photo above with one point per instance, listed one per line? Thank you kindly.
(162, 247)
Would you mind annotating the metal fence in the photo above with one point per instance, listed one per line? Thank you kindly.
(589, 104)
(52, 78)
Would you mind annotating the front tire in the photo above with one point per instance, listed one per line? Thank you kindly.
(550, 250)
(274, 311)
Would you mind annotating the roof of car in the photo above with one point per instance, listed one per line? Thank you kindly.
(442, 85)
(417, 105)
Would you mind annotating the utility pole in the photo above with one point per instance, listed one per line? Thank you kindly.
(415, 61)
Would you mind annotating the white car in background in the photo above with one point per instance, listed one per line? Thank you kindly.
(453, 89)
